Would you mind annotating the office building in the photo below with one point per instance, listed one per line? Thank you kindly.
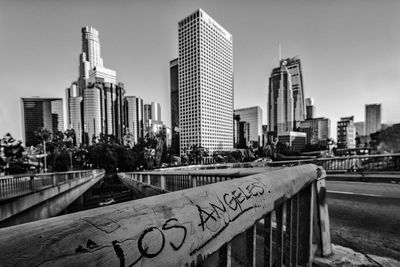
(97, 92)
(252, 115)
(372, 118)
(41, 112)
(296, 141)
(134, 122)
(310, 108)
(244, 135)
(360, 128)
(286, 97)
(155, 111)
(205, 85)
(74, 105)
(346, 133)
(317, 130)
(103, 105)
(174, 86)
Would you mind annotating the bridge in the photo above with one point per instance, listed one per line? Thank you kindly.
(25, 198)
(222, 215)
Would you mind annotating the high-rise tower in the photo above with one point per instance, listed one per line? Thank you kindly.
(372, 118)
(280, 101)
(98, 93)
(286, 107)
(205, 68)
(174, 80)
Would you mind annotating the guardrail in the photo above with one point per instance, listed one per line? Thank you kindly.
(18, 185)
(292, 207)
(198, 226)
(359, 163)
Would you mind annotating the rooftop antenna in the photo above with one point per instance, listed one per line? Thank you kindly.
(280, 51)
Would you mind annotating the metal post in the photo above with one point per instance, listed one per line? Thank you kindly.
(44, 155)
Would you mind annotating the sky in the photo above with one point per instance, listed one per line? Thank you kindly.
(350, 50)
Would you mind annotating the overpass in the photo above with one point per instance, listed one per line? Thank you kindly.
(25, 198)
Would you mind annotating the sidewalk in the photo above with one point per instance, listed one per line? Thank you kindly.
(346, 257)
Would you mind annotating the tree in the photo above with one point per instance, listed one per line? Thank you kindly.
(13, 162)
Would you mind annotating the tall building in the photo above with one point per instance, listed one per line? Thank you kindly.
(346, 133)
(286, 97)
(360, 128)
(205, 85)
(310, 108)
(174, 83)
(147, 117)
(74, 106)
(317, 130)
(252, 115)
(41, 112)
(280, 101)
(155, 111)
(373, 121)
(97, 92)
(134, 123)
(103, 109)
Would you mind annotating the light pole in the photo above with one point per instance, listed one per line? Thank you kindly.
(44, 155)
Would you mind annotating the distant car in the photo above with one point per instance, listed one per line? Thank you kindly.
(107, 202)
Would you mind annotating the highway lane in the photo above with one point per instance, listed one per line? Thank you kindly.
(365, 216)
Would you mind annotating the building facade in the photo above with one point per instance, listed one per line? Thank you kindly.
(155, 111)
(360, 128)
(317, 130)
(205, 84)
(174, 86)
(346, 133)
(41, 112)
(252, 115)
(286, 107)
(134, 122)
(97, 92)
(373, 121)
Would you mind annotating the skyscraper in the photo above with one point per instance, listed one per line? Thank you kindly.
(205, 83)
(310, 108)
(286, 97)
(134, 117)
(372, 118)
(280, 101)
(41, 112)
(155, 111)
(174, 80)
(74, 111)
(252, 115)
(100, 95)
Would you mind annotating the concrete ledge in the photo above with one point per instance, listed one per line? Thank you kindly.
(343, 256)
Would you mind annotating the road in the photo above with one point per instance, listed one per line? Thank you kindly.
(365, 216)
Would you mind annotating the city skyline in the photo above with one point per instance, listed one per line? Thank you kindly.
(41, 75)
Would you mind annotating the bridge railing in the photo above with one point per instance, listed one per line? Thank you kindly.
(381, 162)
(297, 215)
(273, 218)
(18, 185)
(359, 163)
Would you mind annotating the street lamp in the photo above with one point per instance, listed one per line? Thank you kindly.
(44, 155)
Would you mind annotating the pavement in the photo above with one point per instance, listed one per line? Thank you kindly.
(365, 217)
(343, 257)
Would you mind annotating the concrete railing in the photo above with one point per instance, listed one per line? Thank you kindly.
(300, 218)
(381, 162)
(18, 185)
(282, 212)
